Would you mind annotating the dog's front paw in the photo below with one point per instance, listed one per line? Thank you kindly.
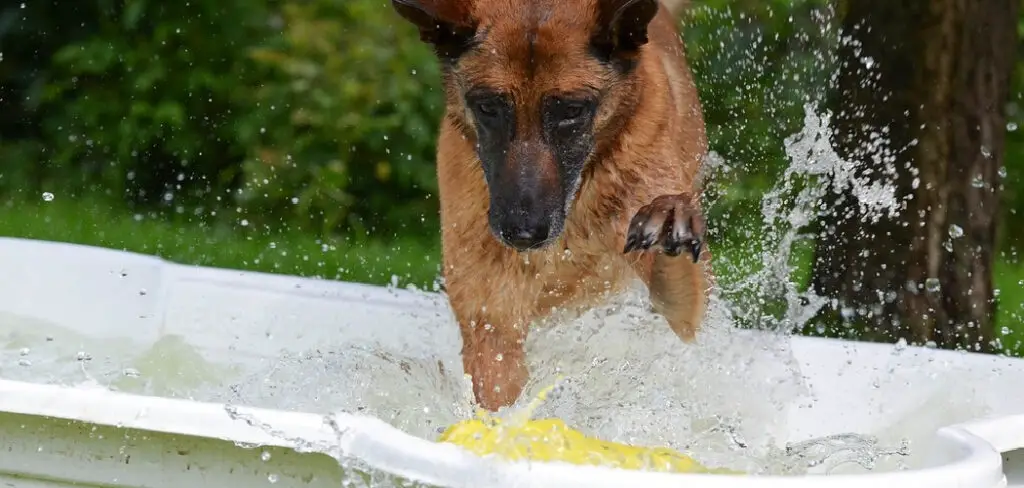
(670, 222)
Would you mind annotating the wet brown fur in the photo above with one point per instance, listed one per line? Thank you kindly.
(649, 142)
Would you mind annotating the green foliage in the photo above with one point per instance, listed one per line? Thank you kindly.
(319, 115)
(145, 106)
(346, 121)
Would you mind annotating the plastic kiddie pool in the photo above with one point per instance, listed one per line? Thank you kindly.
(58, 435)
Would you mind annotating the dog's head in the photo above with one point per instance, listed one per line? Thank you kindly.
(534, 84)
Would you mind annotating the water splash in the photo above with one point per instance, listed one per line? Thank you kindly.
(788, 209)
(834, 451)
(624, 375)
(627, 377)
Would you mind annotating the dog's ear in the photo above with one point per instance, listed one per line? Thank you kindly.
(622, 26)
(445, 24)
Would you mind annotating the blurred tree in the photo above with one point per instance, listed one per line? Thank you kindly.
(943, 78)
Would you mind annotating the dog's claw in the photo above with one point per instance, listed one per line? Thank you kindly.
(648, 241)
(671, 223)
(696, 246)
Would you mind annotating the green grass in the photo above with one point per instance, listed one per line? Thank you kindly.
(1009, 280)
(413, 259)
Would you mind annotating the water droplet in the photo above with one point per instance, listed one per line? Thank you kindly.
(978, 181)
(1002, 171)
(24, 362)
(499, 357)
(47, 196)
(272, 478)
(933, 285)
(265, 456)
(900, 346)
(1011, 126)
(955, 231)
(131, 373)
(142, 292)
(1005, 330)
(24, 351)
(83, 356)
(985, 151)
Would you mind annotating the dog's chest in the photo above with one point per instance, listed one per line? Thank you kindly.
(577, 275)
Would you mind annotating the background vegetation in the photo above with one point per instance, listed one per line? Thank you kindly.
(297, 136)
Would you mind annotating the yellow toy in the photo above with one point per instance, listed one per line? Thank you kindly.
(553, 440)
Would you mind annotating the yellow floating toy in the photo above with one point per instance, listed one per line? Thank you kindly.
(553, 440)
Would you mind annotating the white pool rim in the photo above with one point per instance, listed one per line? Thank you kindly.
(973, 449)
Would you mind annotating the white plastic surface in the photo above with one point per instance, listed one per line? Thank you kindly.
(62, 436)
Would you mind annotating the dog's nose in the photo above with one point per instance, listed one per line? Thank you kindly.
(523, 239)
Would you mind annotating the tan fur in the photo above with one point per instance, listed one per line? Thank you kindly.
(675, 7)
(650, 143)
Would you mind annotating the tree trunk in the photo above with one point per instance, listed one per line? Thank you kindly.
(939, 80)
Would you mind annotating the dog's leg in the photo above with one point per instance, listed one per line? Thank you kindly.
(493, 323)
(494, 357)
(670, 226)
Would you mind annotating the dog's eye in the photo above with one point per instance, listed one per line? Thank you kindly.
(489, 108)
(572, 111)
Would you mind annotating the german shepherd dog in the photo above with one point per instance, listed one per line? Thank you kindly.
(567, 164)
